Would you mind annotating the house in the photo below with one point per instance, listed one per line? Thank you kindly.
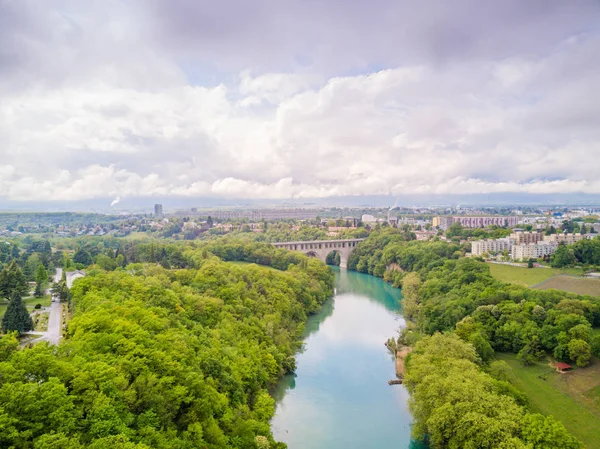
(562, 367)
(72, 275)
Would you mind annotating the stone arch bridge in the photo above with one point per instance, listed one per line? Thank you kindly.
(321, 248)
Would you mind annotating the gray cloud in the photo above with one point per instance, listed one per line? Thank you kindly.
(310, 99)
(273, 35)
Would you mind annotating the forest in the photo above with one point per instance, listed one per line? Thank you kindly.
(160, 357)
(458, 316)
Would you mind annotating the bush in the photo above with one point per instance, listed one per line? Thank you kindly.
(37, 306)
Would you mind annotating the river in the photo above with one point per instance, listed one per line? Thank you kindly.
(339, 397)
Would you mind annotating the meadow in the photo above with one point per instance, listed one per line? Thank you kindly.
(581, 286)
(528, 276)
(573, 398)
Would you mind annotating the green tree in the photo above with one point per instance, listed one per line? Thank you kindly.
(410, 291)
(580, 352)
(545, 432)
(12, 280)
(41, 280)
(105, 262)
(82, 257)
(563, 257)
(16, 318)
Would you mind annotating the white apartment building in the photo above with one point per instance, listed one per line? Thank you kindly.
(480, 247)
(526, 251)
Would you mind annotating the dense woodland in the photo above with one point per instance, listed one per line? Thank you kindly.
(171, 346)
(165, 358)
(459, 316)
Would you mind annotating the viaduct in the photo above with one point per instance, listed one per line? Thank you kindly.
(321, 248)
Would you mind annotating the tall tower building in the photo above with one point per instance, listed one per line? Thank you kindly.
(158, 212)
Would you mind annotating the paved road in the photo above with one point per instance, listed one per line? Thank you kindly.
(54, 331)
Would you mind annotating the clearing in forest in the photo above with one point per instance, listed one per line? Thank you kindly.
(573, 397)
(581, 286)
(527, 276)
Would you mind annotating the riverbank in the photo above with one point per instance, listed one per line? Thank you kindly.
(400, 364)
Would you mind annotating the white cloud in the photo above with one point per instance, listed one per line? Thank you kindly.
(114, 117)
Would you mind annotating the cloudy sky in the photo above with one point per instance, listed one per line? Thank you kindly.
(297, 98)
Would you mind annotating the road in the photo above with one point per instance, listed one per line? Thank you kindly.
(53, 334)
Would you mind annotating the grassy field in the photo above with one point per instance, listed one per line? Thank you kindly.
(29, 302)
(527, 276)
(581, 286)
(573, 398)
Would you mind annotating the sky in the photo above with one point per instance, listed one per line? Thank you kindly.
(298, 99)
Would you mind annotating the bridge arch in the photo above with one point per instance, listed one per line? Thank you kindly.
(321, 248)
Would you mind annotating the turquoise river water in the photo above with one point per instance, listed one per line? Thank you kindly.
(339, 397)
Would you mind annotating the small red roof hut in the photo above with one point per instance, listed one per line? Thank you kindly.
(562, 367)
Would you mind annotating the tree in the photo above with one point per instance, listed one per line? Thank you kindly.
(12, 280)
(580, 352)
(410, 291)
(105, 262)
(547, 433)
(530, 263)
(596, 345)
(41, 278)
(82, 257)
(562, 257)
(16, 318)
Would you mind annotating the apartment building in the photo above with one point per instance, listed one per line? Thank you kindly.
(484, 222)
(568, 239)
(262, 214)
(526, 251)
(480, 247)
(526, 237)
(442, 222)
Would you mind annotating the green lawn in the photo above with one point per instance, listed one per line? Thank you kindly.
(527, 276)
(29, 302)
(573, 398)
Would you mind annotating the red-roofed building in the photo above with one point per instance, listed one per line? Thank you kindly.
(562, 367)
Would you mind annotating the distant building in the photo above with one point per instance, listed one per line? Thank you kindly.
(569, 239)
(526, 251)
(366, 218)
(484, 222)
(526, 237)
(158, 210)
(262, 214)
(442, 222)
(475, 222)
(424, 235)
(480, 247)
(72, 275)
